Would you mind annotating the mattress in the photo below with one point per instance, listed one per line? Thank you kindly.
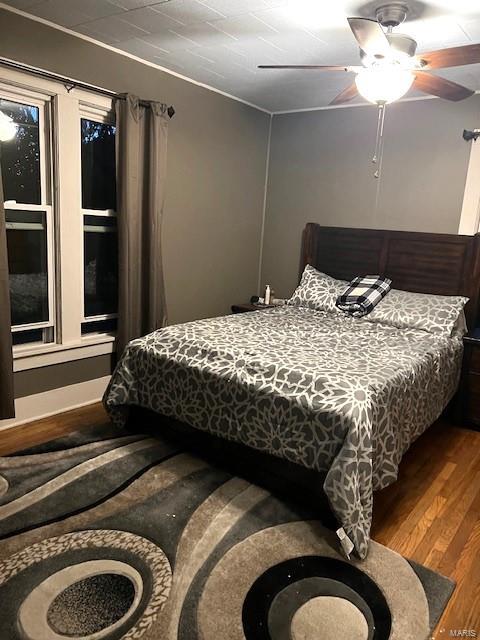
(340, 395)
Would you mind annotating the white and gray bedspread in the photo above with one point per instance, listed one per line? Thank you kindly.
(341, 395)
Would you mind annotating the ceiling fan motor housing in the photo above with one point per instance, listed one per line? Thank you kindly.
(392, 14)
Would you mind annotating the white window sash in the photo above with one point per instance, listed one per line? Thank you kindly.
(42, 102)
(31, 326)
(99, 213)
(47, 210)
(105, 116)
(59, 132)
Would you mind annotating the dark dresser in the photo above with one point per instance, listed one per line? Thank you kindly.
(248, 306)
(470, 385)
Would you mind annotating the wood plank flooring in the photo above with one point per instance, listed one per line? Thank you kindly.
(431, 515)
(32, 433)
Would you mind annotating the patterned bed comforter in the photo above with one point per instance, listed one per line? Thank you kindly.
(341, 395)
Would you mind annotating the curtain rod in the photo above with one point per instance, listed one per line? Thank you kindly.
(69, 83)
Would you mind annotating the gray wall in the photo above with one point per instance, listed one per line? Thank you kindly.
(61, 375)
(320, 171)
(216, 168)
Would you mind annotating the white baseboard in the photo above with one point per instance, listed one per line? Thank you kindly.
(49, 403)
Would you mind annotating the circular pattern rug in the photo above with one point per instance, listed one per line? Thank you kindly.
(107, 536)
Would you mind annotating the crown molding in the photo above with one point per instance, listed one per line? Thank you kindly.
(329, 107)
(356, 104)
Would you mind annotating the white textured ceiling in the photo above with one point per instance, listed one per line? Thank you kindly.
(220, 42)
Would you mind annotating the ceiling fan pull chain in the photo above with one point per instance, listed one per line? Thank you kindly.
(379, 142)
(377, 136)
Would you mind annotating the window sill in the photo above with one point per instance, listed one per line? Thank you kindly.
(44, 355)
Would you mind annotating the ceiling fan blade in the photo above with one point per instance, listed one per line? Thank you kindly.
(453, 57)
(440, 87)
(321, 67)
(370, 36)
(349, 93)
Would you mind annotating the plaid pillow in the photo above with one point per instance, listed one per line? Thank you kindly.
(363, 294)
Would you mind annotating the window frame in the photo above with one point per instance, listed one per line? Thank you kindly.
(49, 233)
(104, 116)
(43, 103)
(60, 184)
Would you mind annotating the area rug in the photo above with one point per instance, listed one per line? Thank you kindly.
(106, 535)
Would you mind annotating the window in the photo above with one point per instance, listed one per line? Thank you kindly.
(60, 210)
(27, 265)
(28, 217)
(21, 156)
(100, 271)
(100, 265)
(98, 159)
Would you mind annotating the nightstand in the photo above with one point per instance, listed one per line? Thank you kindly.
(470, 385)
(243, 308)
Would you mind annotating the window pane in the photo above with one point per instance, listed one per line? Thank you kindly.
(27, 266)
(100, 326)
(98, 165)
(32, 335)
(20, 158)
(100, 265)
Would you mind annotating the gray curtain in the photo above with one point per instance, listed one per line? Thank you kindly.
(141, 143)
(7, 408)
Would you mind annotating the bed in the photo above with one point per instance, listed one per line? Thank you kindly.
(337, 395)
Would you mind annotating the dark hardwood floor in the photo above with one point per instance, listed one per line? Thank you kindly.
(28, 435)
(431, 515)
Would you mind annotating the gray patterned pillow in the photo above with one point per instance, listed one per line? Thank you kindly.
(317, 291)
(432, 313)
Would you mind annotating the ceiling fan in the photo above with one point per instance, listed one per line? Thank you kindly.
(389, 64)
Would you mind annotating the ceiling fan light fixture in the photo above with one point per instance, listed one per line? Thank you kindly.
(383, 84)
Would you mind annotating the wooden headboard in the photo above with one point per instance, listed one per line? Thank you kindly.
(444, 264)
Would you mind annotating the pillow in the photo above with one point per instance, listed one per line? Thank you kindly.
(460, 328)
(317, 290)
(407, 310)
(363, 294)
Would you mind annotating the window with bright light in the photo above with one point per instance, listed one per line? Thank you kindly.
(58, 174)
(28, 216)
(21, 156)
